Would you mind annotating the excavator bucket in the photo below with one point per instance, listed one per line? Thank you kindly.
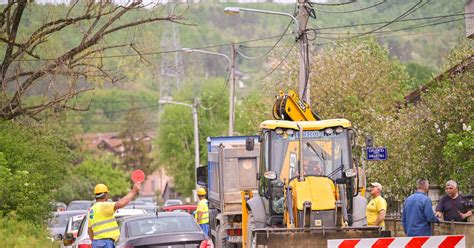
(311, 237)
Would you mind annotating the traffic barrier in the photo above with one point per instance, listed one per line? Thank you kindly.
(451, 241)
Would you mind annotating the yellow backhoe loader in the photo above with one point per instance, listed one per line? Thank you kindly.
(308, 182)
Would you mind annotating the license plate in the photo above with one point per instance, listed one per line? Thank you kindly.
(234, 239)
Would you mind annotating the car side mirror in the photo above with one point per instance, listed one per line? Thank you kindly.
(68, 239)
(58, 237)
(249, 143)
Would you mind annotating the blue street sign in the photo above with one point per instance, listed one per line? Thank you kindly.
(377, 153)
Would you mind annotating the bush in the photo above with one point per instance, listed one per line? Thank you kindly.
(32, 165)
(19, 234)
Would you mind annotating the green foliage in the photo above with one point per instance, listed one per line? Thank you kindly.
(136, 144)
(32, 165)
(83, 177)
(250, 112)
(108, 109)
(423, 140)
(175, 132)
(22, 234)
(459, 151)
(420, 75)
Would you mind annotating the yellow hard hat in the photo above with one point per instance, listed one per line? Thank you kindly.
(201, 191)
(100, 188)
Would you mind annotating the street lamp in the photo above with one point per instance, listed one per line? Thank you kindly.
(232, 84)
(236, 10)
(300, 27)
(196, 131)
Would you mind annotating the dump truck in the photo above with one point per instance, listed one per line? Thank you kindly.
(232, 167)
(308, 182)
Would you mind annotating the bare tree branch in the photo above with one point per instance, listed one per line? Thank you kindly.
(82, 61)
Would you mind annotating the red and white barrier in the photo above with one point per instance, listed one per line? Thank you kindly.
(452, 241)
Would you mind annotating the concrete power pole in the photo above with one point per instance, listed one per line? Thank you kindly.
(232, 91)
(196, 140)
(302, 18)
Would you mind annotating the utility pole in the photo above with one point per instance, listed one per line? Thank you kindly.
(232, 91)
(302, 18)
(196, 140)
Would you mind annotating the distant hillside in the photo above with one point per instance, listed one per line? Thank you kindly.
(420, 43)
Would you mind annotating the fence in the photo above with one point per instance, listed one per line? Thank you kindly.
(393, 223)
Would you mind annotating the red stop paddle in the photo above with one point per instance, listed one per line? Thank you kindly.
(138, 176)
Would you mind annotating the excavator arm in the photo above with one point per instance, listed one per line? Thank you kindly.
(291, 108)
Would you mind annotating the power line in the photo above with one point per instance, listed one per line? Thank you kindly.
(276, 67)
(385, 22)
(351, 11)
(397, 30)
(333, 4)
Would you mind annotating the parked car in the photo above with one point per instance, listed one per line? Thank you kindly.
(58, 206)
(180, 208)
(147, 199)
(83, 240)
(59, 220)
(80, 205)
(70, 233)
(149, 207)
(171, 202)
(165, 229)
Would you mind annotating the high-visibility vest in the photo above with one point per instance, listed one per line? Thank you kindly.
(103, 227)
(202, 207)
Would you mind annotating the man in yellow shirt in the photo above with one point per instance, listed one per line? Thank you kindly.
(103, 229)
(202, 211)
(377, 206)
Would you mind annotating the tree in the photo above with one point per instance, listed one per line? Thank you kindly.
(83, 177)
(32, 167)
(61, 73)
(175, 140)
(136, 142)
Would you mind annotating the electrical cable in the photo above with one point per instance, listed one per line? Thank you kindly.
(351, 11)
(333, 4)
(272, 47)
(269, 50)
(276, 67)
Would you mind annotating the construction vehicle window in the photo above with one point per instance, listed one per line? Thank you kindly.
(323, 154)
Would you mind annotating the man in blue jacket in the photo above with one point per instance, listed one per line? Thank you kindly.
(418, 213)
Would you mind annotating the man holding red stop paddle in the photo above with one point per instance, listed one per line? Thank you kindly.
(103, 229)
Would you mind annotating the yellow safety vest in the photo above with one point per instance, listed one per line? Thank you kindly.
(202, 207)
(103, 224)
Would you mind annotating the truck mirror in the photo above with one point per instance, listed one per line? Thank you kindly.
(201, 176)
(250, 143)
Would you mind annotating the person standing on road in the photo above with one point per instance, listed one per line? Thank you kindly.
(418, 212)
(449, 207)
(202, 211)
(377, 206)
(103, 229)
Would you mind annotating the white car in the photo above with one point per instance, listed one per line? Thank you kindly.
(172, 202)
(83, 240)
(72, 228)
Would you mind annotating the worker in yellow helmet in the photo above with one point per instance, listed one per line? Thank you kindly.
(103, 229)
(202, 211)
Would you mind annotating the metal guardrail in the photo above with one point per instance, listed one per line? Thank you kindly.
(394, 224)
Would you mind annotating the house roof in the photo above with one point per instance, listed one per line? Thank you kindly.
(466, 64)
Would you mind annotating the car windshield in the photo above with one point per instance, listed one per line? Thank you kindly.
(324, 154)
(60, 220)
(172, 202)
(160, 225)
(79, 206)
(76, 224)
